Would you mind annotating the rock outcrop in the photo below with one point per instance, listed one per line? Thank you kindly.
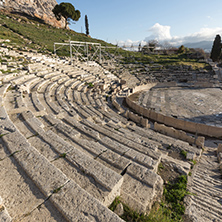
(41, 9)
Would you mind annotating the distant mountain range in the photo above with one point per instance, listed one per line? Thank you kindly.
(205, 45)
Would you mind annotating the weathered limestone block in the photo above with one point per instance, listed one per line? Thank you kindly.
(4, 216)
(77, 205)
(136, 192)
(181, 166)
(119, 210)
(200, 141)
(191, 156)
(219, 148)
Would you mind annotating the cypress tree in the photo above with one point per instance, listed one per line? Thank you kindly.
(216, 49)
(87, 25)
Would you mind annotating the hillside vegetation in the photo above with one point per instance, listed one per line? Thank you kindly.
(32, 33)
(36, 35)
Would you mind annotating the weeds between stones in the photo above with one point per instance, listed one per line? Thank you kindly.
(170, 209)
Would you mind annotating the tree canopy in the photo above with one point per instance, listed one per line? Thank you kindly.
(152, 44)
(182, 49)
(216, 49)
(67, 11)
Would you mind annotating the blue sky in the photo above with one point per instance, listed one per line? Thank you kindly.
(131, 21)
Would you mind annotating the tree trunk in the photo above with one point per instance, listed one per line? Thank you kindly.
(66, 23)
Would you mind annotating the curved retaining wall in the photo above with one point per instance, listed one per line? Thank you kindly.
(188, 126)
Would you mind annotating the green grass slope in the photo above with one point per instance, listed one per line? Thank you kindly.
(31, 33)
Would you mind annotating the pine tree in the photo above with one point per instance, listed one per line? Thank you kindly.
(87, 25)
(67, 11)
(216, 49)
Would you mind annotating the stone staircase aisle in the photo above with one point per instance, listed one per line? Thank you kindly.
(205, 186)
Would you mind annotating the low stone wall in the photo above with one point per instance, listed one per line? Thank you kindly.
(179, 134)
(219, 155)
(137, 119)
(188, 126)
(116, 104)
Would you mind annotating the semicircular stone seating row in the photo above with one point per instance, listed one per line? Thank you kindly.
(77, 152)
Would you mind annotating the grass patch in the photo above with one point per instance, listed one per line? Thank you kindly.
(62, 155)
(194, 162)
(90, 85)
(183, 153)
(174, 194)
(11, 88)
(12, 154)
(171, 208)
(160, 167)
(1, 135)
(32, 136)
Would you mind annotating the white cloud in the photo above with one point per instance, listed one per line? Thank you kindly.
(162, 33)
(159, 32)
(130, 42)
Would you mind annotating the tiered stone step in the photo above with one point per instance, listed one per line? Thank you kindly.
(166, 141)
(132, 175)
(31, 129)
(49, 182)
(88, 148)
(205, 186)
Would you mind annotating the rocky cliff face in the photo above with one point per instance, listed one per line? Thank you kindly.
(37, 8)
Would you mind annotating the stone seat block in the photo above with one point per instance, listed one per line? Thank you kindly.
(37, 104)
(4, 215)
(43, 173)
(55, 108)
(52, 181)
(78, 205)
(49, 89)
(95, 110)
(138, 195)
(3, 89)
(21, 79)
(105, 176)
(122, 140)
(61, 126)
(131, 154)
(19, 100)
(8, 77)
(109, 179)
(42, 86)
(80, 110)
(117, 147)
(114, 161)
(50, 75)
(88, 111)
(87, 130)
(143, 140)
(113, 116)
(37, 85)
(94, 148)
